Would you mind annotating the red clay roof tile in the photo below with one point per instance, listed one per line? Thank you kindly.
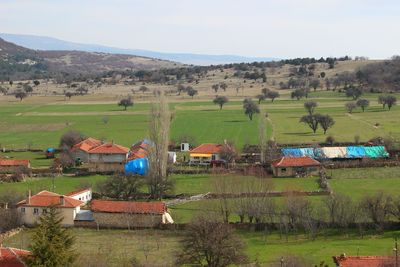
(207, 149)
(87, 144)
(295, 162)
(14, 162)
(363, 261)
(128, 207)
(12, 257)
(46, 199)
(109, 148)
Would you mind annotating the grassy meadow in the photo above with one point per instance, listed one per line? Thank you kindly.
(40, 124)
(158, 248)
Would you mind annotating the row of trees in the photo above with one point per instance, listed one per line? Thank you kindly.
(297, 213)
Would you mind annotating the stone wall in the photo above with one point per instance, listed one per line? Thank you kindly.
(126, 220)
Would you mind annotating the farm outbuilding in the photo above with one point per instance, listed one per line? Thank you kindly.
(331, 153)
(126, 214)
(14, 165)
(295, 166)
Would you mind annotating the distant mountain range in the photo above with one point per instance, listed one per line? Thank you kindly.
(21, 63)
(49, 43)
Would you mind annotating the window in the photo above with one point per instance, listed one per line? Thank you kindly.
(44, 211)
(23, 210)
(283, 169)
(35, 211)
(80, 199)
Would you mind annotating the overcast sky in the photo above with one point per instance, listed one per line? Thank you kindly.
(266, 28)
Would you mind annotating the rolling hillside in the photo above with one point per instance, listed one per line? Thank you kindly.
(17, 62)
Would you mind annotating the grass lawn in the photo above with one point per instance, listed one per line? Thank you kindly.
(62, 184)
(358, 182)
(117, 247)
(203, 183)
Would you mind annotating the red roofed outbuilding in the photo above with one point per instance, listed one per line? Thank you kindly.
(205, 153)
(364, 261)
(295, 166)
(14, 165)
(13, 257)
(126, 214)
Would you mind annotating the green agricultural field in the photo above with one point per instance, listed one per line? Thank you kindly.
(40, 124)
(118, 247)
(358, 182)
(62, 184)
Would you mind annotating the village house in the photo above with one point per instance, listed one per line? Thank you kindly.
(295, 166)
(139, 150)
(80, 151)
(14, 165)
(31, 208)
(205, 153)
(361, 261)
(126, 214)
(84, 195)
(108, 157)
(13, 257)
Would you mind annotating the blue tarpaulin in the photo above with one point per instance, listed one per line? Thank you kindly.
(291, 152)
(350, 152)
(137, 166)
(356, 152)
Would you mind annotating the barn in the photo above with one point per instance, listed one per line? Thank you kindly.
(126, 214)
(295, 166)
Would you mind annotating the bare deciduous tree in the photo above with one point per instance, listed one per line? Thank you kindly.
(157, 178)
(211, 243)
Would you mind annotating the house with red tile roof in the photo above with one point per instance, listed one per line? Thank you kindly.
(13, 257)
(31, 208)
(108, 157)
(139, 150)
(81, 150)
(14, 165)
(364, 261)
(295, 166)
(126, 214)
(205, 153)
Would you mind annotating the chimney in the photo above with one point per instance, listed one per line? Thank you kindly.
(29, 196)
(62, 200)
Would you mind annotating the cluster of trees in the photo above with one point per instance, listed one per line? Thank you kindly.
(383, 75)
(266, 93)
(313, 120)
(385, 100)
(220, 85)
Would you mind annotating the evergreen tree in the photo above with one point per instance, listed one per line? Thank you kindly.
(51, 243)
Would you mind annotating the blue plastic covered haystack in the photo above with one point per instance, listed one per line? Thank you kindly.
(137, 166)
